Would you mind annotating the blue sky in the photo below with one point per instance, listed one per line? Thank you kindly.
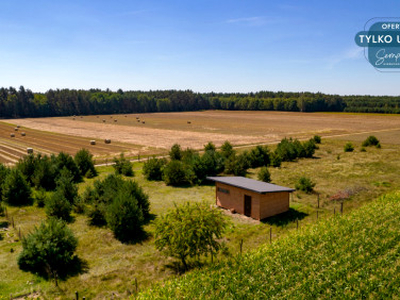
(220, 46)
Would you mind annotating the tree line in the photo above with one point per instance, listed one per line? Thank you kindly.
(23, 103)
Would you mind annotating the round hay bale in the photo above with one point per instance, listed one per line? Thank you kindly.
(189, 122)
(81, 117)
(97, 117)
(16, 128)
(137, 118)
(143, 122)
(111, 117)
(104, 120)
(12, 135)
(107, 141)
(126, 116)
(92, 142)
(115, 120)
(138, 121)
(29, 150)
(23, 133)
(73, 118)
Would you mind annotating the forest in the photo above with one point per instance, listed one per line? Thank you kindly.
(23, 103)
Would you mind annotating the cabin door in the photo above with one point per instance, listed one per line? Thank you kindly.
(247, 205)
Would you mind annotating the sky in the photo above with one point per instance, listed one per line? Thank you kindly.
(201, 45)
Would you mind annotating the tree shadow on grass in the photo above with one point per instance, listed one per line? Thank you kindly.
(178, 268)
(285, 218)
(77, 266)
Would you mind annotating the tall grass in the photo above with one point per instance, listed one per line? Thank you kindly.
(351, 256)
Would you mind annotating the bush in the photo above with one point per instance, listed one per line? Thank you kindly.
(371, 141)
(123, 166)
(153, 168)
(176, 173)
(132, 189)
(305, 184)
(49, 250)
(348, 147)
(276, 160)
(46, 172)
(259, 157)
(176, 152)
(309, 148)
(58, 206)
(288, 150)
(317, 139)
(27, 165)
(40, 198)
(16, 190)
(264, 175)
(125, 218)
(203, 227)
(84, 160)
(210, 147)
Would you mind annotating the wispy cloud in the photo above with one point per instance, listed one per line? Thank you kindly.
(349, 54)
(252, 21)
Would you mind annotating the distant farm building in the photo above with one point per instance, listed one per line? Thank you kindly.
(252, 198)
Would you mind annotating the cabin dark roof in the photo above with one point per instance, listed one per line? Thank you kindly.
(251, 184)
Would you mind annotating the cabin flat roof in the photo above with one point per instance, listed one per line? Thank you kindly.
(251, 184)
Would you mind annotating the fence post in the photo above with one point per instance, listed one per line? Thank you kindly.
(270, 235)
(317, 215)
(297, 223)
(136, 285)
(341, 207)
(76, 295)
(241, 246)
(318, 199)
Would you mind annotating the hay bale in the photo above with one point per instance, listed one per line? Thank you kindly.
(18, 126)
(189, 122)
(23, 133)
(29, 150)
(12, 135)
(143, 122)
(126, 116)
(104, 120)
(92, 142)
(137, 118)
(16, 129)
(73, 118)
(81, 117)
(107, 141)
(97, 117)
(115, 120)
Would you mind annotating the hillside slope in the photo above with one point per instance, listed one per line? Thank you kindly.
(352, 256)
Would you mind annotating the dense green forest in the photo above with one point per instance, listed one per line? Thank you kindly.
(23, 102)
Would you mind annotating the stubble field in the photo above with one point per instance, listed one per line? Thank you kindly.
(154, 133)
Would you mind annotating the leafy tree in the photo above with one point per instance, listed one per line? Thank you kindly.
(189, 231)
(84, 160)
(16, 190)
(58, 206)
(305, 184)
(176, 173)
(49, 250)
(123, 166)
(153, 168)
(125, 218)
(176, 152)
(264, 175)
(348, 147)
(371, 141)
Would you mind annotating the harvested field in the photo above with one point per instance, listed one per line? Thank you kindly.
(159, 131)
(12, 148)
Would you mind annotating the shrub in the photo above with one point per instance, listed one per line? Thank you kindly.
(363, 149)
(49, 250)
(189, 231)
(176, 173)
(16, 190)
(64, 160)
(153, 168)
(276, 160)
(123, 166)
(213, 162)
(84, 160)
(97, 214)
(348, 147)
(287, 149)
(317, 139)
(46, 172)
(210, 147)
(58, 206)
(305, 184)
(309, 148)
(176, 152)
(370, 141)
(125, 218)
(40, 198)
(264, 175)
(132, 189)
(27, 165)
